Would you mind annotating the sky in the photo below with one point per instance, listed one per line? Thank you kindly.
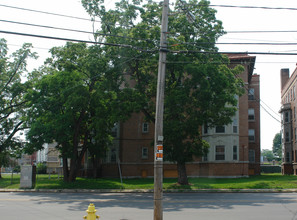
(233, 18)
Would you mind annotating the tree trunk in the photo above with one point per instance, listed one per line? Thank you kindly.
(65, 169)
(76, 159)
(75, 164)
(73, 170)
(95, 167)
(182, 173)
(0, 168)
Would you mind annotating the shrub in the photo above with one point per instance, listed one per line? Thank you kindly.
(17, 169)
(270, 169)
(41, 168)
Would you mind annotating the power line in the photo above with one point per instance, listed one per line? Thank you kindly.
(253, 39)
(74, 30)
(38, 48)
(253, 7)
(174, 62)
(258, 31)
(259, 100)
(257, 43)
(141, 49)
(269, 108)
(197, 44)
(80, 41)
(45, 12)
(269, 113)
(217, 52)
(117, 36)
(61, 15)
(45, 26)
(245, 7)
(88, 19)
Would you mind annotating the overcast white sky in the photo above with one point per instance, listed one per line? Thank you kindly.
(234, 19)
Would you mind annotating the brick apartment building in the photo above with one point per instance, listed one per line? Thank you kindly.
(234, 148)
(288, 120)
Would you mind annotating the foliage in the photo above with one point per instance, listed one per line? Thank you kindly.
(277, 145)
(76, 103)
(17, 169)
(200, 88)
(270, 169)
(41, 168)
(4, 158)
(12, 102)
(268, 154)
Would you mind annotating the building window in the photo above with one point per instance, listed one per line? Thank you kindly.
(287, 156)
(294, 112)
(295, 133)
(251, 155)
(235, 129)
(294, 92)
(113, 156)
(287, 117)
(251, 113)
(145, 127)
(235, 152)
(220, 129)
(205, 157)
(287, 137)
(220, 152)
(52, 158)
(205, 129)
(114, 130)
(144, 153)
(235, 125)
(251, 135)
(251, 95)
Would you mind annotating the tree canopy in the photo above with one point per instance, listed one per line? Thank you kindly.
(12, 102)
(268, 154)
(277, 145)
(200, 88)
(76, 103)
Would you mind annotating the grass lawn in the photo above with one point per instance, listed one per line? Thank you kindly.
(265, 181)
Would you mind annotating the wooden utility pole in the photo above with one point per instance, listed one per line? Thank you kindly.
(158, 161)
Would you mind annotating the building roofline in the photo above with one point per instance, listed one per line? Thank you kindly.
(246, 59)
(289, 82)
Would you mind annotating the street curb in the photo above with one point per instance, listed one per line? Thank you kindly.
(151, 191)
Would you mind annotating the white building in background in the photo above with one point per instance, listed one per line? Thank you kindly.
(42, 154)
(51, 156)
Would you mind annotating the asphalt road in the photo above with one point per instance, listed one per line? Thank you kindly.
(139, 206)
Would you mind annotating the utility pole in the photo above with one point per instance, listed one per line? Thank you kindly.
(158, 160)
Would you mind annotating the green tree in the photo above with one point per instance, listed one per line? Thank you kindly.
(268, 154)
(12, 102)
(277, 145)
(200, 88)
(75, 104)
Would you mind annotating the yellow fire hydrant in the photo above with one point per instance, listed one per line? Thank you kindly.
(91, 213)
